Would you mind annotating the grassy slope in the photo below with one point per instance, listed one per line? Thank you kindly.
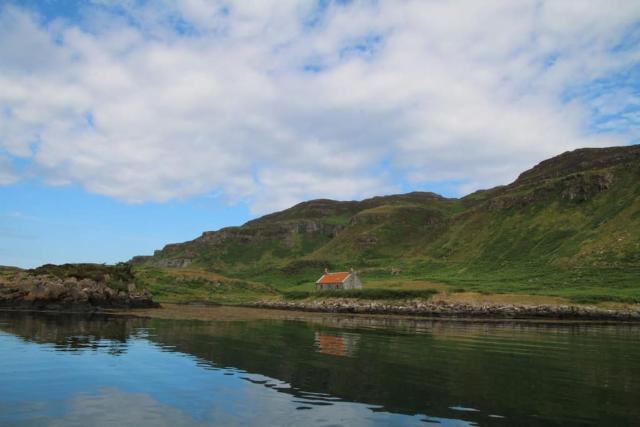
(568, 228)
(586, 250)
(187, 285)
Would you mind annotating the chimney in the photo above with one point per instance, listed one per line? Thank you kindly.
(326, 270)
(351, 269)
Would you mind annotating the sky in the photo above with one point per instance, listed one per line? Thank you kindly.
(127, 125)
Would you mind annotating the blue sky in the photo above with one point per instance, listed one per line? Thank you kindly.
(41, 224)
(128, 125)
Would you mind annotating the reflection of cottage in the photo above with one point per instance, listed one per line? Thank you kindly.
(339, 280)
(337, 345)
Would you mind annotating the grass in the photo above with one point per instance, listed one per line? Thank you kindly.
(417, 279)
(576, 284)
(582, 285)
(7, 274)
(342, 219)
(593, 298)
(414, 279)
(188, 285)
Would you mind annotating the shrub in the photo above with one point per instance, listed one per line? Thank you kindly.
(596, 298)
(115, 276)
(371, 294)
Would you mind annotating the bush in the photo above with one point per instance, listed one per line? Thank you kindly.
(297, 294)
(115, 276)
(370, 294)
(594, 299)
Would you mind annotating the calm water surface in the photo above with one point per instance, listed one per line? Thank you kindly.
(64, 370)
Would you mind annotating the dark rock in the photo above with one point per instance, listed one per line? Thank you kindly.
(42, 292)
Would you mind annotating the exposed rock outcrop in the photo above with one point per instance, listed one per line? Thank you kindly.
(44, 292)
(574, 162)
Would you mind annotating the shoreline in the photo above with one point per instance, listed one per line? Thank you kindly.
(456, 310)
(415, 310)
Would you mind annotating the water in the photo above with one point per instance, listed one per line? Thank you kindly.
(63, 370)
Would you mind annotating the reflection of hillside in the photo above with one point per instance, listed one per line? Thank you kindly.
(71, 332)
(452, 328)
(483, 365)
(417, 367)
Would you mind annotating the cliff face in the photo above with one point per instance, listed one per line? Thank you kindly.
(579, 208)
(289, 234)
(574, 175)
(288, 237)
(582, 160)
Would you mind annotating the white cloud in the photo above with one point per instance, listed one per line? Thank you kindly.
(194, 97)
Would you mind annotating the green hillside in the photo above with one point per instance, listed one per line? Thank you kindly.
(569, 227)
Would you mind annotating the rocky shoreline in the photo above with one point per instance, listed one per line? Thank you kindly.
(455, 309)
(43, 292)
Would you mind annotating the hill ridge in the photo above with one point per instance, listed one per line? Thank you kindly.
(580, 209)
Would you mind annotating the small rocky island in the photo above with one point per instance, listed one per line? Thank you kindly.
(73, 287)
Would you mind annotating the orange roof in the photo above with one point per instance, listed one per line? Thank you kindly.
(334, 277)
